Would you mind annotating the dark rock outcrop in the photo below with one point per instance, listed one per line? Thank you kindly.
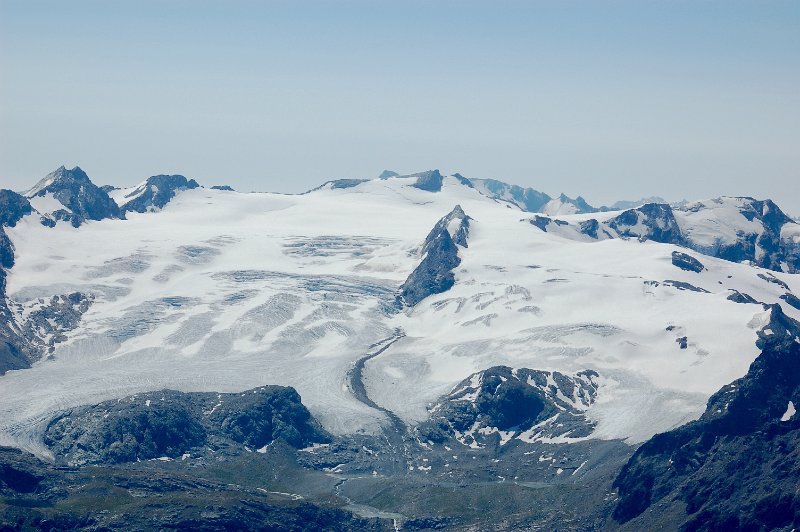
(792, 300)
(430, 181)
(434, 274)
(223, 187)
(47, 322)
(738, 466)
(82, 199)
(739, 297)
(156, 192)
(686, 262)
(13, 207)
(169, 423)
(512, 400)
(653, 221)
(680, 285)
(589, 228)
(542, 222)
(768, 277)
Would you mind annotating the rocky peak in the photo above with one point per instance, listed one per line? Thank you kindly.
(434, 274)
(156, 192)
(82, 199)
(430, 181)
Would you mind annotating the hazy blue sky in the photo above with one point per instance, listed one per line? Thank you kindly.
(608, 99)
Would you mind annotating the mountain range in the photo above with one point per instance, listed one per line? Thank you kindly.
(418, 351)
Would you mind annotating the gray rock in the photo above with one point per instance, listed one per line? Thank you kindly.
(680, 285)
(739, 297)
(430, 181)
(653, 221)
(434, 274)
(156, 192)
(774, 280)
(792, 300)
(686, 262)
(512, 400)
(13, 207)
(82, 199)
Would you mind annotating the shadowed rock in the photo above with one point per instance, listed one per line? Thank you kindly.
(686, 262)
(430, 181)
(738, 466)
(82, 199)
(434, 274)
(156, 192)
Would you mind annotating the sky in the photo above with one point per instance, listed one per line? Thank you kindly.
(604, 99)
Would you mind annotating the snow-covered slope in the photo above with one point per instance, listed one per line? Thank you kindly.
(226, 291)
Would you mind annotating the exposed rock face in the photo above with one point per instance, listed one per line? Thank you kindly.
(653, 221)
(737, 467)
(169, 423)
(590, 228)
(768, 277)
(463, 180)
(434, 274)
(156, 192)
(13, 353)
(523, 403)
(223, 187)
(430, 181)
(680, 285)
(82, 199)
(739, 297)
(13, 207)
(46, 322)
(792, 300)
(686, 262)
(542, 222)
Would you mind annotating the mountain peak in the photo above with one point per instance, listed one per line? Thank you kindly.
(430, 180)
(81, 198)
(386, 174)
